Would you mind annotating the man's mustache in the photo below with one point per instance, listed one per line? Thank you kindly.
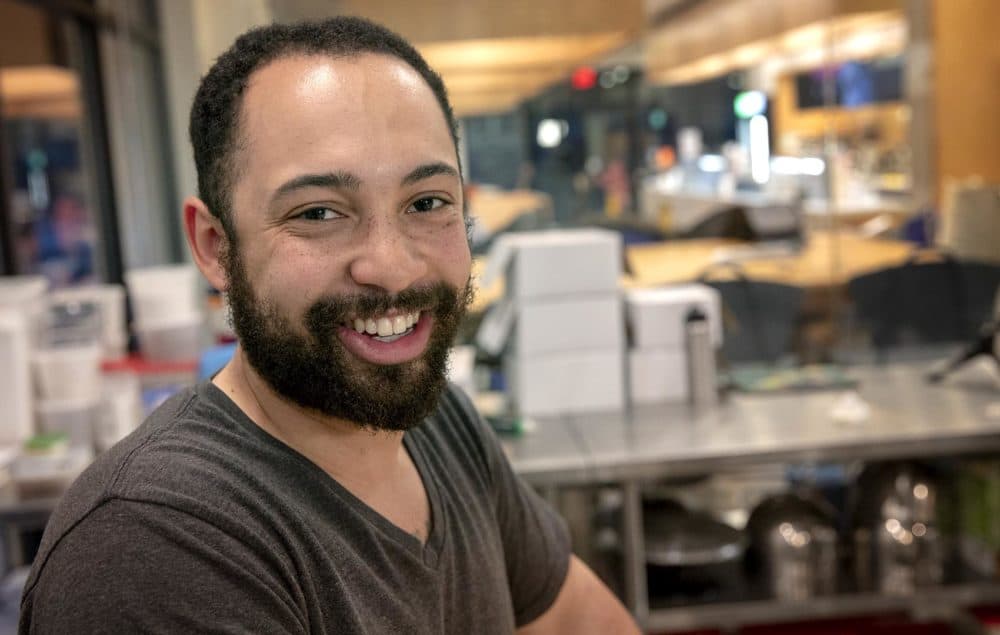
(327, 313)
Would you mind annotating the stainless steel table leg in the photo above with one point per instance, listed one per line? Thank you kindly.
(636, 593)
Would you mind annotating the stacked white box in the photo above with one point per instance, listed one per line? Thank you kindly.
(657, 358)
(561, 325)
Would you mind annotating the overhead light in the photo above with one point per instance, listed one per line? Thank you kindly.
(749, 103)
(550, 132)
(760, 150)
(711, 163)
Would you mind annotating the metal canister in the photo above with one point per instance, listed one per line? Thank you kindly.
(702, 386)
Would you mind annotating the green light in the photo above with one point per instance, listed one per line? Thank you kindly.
(748, 104)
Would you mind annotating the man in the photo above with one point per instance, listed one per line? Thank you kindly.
(327, 480)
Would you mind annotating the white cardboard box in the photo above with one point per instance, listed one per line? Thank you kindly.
(555, 263)
(551, 325)
(657, 375)
(566, 383)
(656, 316)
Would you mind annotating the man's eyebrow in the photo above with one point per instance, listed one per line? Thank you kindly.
(329, 180)
(428, 170)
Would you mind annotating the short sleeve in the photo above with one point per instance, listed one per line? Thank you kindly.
(535, 538)
(132, 567)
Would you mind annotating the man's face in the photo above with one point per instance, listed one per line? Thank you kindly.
(347, 207)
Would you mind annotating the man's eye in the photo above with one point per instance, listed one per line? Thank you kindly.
(427, 204)
(319, 213)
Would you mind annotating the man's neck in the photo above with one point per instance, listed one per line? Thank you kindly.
(355, 456)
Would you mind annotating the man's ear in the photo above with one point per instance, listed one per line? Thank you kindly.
(207, 240)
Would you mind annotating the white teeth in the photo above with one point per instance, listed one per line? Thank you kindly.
(384, 327)
(399, 324)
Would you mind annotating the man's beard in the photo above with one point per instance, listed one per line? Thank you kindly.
(315, 371)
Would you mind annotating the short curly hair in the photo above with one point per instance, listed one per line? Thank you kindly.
(215, 112)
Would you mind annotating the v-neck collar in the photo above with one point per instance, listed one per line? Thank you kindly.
(429, 552)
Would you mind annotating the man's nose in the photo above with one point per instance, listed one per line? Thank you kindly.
(386, 257)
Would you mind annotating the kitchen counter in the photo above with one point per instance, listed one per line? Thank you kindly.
(909, 418)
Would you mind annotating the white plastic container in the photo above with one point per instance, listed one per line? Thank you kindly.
(16, 396)
(550, 263)
(111, 300)
(26, 294)
(162, 293)
(171, 339)
(120, 411)
(657, 316)
(567, 383)
(658, 375)
(73, 417)
(559, 324)
(69, 372)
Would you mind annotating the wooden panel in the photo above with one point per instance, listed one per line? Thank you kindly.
(890, 119)
(720, 26)
(966, 89)
(509, 70)
(25, 35)
(39, 91)
(684, 260)
(450, 20)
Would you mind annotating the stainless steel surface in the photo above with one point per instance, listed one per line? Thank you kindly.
(551, 453)
(736, 614)
(636, 596)
(909, 418)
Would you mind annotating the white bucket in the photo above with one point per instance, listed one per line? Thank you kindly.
(173, 339)
(121, 409)
(163, 292)
(70, 372)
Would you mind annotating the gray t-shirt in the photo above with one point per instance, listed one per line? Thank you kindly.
(201, 522)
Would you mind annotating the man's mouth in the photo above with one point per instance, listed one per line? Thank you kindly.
(385, 328)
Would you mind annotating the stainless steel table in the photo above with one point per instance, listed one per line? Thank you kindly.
(909, 418)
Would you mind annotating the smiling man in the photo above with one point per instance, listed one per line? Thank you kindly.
(327, 480)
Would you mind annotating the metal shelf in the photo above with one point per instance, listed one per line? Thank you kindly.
(735, 614)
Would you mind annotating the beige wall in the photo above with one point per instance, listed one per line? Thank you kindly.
(966, 89)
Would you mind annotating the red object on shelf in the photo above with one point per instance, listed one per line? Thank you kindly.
(140, 366)
(584, 78)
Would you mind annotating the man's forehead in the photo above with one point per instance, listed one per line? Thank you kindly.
(308, 78)
(304, 101)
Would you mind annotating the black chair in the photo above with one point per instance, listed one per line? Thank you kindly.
(760, 318)
(924, 301)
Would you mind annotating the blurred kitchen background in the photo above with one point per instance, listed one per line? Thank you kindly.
(739, 264)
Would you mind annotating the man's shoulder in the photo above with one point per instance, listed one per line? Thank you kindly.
(188, 455)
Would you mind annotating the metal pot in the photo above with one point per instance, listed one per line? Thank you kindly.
(690, 554)
(794, 546)
(898, 545)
